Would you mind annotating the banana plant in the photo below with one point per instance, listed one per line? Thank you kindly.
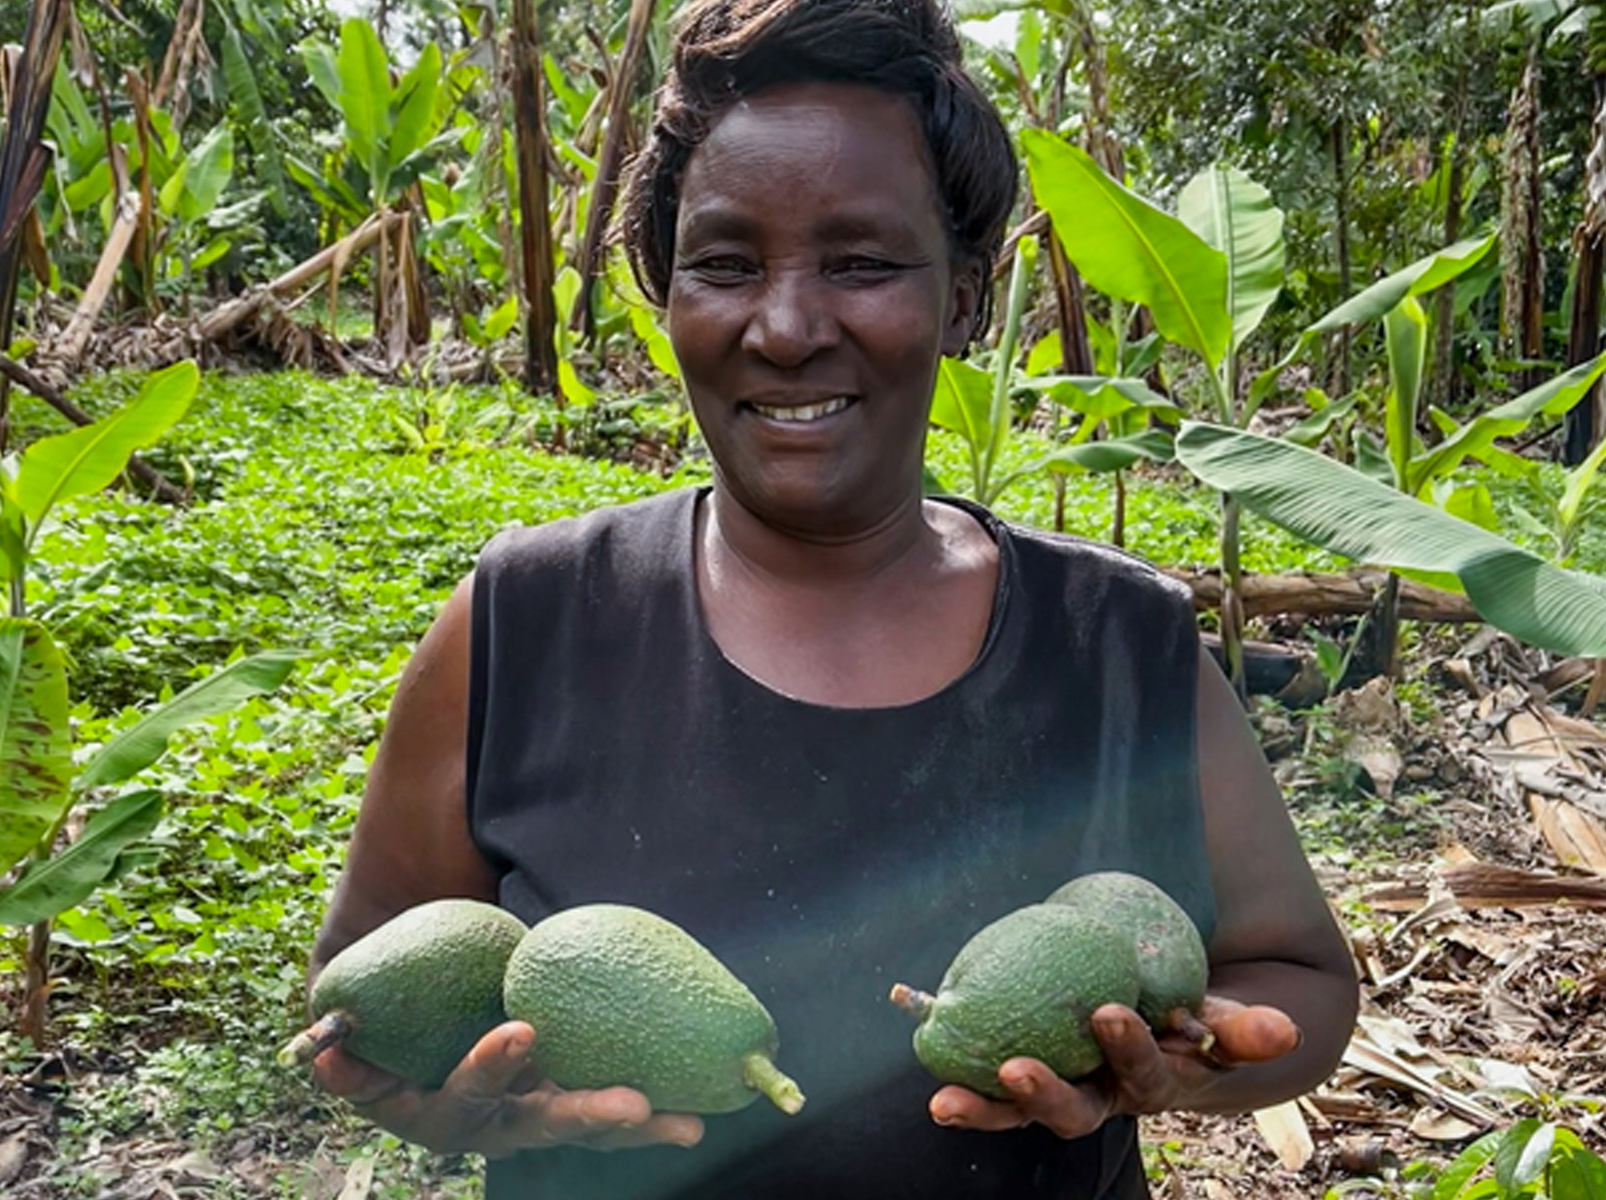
(1566, 516)
(198, 228)
(1403, 461)
(977, 405)
(1207, 276)
(80, 171)
(1341, 509)
(392, 132)
(40, 788)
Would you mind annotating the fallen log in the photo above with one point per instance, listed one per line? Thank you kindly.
(1312, 594)
(70, 347)
(1485, 885)
(229, 316)
(142, 471)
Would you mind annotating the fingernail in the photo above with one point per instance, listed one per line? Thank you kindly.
(516, 1049)
(1020, 1081)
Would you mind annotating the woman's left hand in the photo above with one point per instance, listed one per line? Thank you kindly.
(1140, 1074)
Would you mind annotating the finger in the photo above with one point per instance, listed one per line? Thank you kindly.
(1256, 1034)
(350, 1078)
(1131, 1054)
(961, 1108)
(471, 1104)
(491, 1068)
(585, 1116)
(672, 1129)
(1069, 1109)
(605, 1119)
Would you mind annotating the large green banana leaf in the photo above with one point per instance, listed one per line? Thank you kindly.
(35, 746)
(1233, 213)
(1342, 510)
(1129, 249)
(71, 877)
(246, 97)
(365, 96)
(87, 459)
(192, 191)
(414, 104)
(1101, 397)
(138, 746)
(1424, 275)
(1405, 330)
(1476, 438)
(1112, 454)
(962, 402)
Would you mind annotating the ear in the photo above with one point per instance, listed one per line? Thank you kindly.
(964, 307)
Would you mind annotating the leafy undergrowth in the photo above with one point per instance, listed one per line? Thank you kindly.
(335, 517)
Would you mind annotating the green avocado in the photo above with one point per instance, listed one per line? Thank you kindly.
(416, 993)
(1171, 963)
(621, 997)
(1028, 984)
(1024, 985)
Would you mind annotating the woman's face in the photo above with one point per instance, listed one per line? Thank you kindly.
(812, 296)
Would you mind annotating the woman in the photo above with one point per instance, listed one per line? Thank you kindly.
(828, 726)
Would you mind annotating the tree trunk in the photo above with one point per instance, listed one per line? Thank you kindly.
(1444, 379)
(1076, 356)
(1340, 148)
(1585, 419)
(31, 1021)
(491, 151)
(1232, 608)
(24, 159)
(1521, 251)
(605, 185)
(1443, 385)
(535, 231)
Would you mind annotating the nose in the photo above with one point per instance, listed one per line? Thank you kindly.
(792, 319)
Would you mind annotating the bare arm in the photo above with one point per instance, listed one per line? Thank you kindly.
(1275, 941)
(412, 844)
(1283, 993)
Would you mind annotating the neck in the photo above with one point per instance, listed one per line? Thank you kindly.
(737, 539)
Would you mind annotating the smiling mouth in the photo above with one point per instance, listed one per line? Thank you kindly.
(798, 414)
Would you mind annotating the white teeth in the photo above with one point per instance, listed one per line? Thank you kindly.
(803, 412)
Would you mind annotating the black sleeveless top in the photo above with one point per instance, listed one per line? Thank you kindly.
(824, 854)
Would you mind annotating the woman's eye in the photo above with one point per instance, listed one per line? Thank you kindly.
(864, 268)
(721, 268)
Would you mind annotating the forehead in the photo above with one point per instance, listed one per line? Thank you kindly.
(810, 151)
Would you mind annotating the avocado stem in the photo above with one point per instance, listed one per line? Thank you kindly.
(913, 1001)
(760, 1074)
(334, 1026)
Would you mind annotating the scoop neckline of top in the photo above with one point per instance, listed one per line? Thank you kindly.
(996, 529)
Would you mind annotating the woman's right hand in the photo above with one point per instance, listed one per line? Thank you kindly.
(492, 1104)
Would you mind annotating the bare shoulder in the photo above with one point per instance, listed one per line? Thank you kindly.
(967, 547)
(412, 840)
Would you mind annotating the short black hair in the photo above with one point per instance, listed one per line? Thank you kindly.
(728, 50)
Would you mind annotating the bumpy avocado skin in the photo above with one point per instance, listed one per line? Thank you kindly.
(423, 987)
(622, 997)
(1171, 963)
(1026, 985)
